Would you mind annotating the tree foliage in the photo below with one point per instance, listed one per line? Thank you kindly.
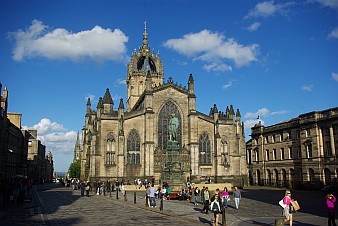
(74, 169)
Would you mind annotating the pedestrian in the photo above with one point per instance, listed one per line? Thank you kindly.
(82, 188)
(287, 212)
(215, 208)
(202, 195)
(152, 192)
(330, 200)
(196, 194)
(87, 188)
(237, 196)
(225, 197)
(124, 191)
(206, 198)
(148, 196)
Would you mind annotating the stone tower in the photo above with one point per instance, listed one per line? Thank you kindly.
(141, 63)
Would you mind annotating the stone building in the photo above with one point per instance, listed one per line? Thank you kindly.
(40, 163)
(21, 153)
(301, 152)
(160, 133)
(13, 142)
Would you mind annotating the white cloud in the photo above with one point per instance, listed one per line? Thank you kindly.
(55, 136)
(97, 44)
(46, 126)
(307, 88)
(280, 112)
(217, 67)
(254, 26)
(248, 124)
(260, 112)
(213, 48)
(267, 9)
(335, 76)
(228, 84)
(334, 33)
(120, 82)
(328, 3)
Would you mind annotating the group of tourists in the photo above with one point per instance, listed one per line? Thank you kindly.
(217, 202)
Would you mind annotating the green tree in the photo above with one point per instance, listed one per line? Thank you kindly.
(74, 169)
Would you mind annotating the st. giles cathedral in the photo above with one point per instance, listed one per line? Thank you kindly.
(159, 133)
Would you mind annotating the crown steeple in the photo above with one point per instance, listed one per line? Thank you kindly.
(143, 63)
(145, 35)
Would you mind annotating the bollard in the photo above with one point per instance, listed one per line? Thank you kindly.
(279, 222)
(125, 195)
(117, 194)
(161, 204)
(134, 197)
(223, 217)
(110, 193)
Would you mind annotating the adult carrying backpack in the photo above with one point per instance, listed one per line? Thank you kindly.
(215, 208)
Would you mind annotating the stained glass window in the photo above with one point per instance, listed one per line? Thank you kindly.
(204, 149)
(133, 148)
(163, 120)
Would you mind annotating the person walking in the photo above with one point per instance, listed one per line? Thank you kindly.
(215, 208)
(330, 200)
(237, 197)
(82, 188)
(288, 207)
(225, 197)
(196, 194)
(87, 188)
(206, 198)
(152, 192)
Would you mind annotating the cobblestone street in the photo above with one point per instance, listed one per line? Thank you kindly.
(55, 205)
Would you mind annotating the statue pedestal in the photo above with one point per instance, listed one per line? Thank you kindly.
(173, 172)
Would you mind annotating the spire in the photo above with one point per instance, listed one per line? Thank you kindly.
(238, 114)
(121, 105)
(77, 140)
(215, 110)
(232, 112)
(145, 35)
(191, 79)
(191, 86)
(100, 103)
(88, 110)
(107, 99)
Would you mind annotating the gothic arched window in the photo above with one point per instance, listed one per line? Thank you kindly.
(224, 152)
(133, 148)
(110, 149)
(164, 116)
(204, 149)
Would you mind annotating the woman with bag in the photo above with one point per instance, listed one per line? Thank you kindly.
(288, 209)
(225, 197)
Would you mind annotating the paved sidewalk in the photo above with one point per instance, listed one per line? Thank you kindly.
(55, 205)
(251, 212)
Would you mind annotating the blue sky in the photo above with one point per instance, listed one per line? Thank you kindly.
(276, 59)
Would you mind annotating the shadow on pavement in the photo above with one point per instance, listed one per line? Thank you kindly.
(311, 202)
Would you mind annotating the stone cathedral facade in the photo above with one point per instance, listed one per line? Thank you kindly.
(139, 140)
